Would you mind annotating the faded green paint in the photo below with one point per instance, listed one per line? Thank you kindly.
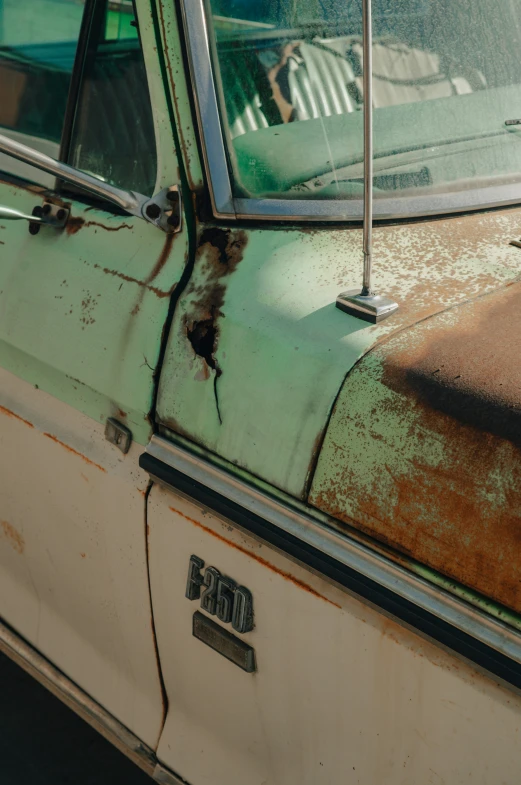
(283, 349)
(76, 317)
(178, 84)
(82, 313)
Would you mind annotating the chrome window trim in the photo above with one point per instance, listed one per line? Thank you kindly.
(226, 206)
(207, 108)
(342, 548)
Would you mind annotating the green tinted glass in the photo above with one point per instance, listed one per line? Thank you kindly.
(119, 22)
(38, 42)
(113, 134)
(446, 82)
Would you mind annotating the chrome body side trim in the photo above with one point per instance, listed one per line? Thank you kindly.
(342, 549)
(226, 206)
(14, 647)
(33, 663)
(166, 777)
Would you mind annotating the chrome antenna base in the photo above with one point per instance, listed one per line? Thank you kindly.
(371, 308)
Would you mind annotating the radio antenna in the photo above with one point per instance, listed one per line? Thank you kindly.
(366, 304)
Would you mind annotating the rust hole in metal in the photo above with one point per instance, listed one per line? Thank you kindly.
(223, 250)
(203, 338)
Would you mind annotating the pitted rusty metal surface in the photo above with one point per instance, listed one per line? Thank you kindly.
(264, 334)
(423, 448)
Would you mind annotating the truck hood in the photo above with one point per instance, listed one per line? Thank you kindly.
(258, 353)
(423, 447)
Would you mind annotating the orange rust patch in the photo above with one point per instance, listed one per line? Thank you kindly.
(13, 537)
(74, 452)
(74, 224)
(16, 416)
(286, 575)
(449, 493)
(83, 555)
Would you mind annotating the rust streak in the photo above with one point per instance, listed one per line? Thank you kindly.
(165, 253)
(286, 575)
(75, 223)
(13, 537)
(129, 279)
(108, 228)
(75, 452)
(16, 416)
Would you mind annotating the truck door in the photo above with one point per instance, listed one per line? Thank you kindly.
(83, 303)
(293, 651)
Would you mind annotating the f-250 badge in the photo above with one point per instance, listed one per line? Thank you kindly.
(220, 595)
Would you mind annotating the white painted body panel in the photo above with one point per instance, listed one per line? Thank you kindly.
(343, 694)
(73, 566)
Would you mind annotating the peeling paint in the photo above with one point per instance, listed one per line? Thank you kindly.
(423, 449)
(282, 317)
(223, 250)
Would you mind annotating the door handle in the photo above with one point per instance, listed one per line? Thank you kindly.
(48, 214)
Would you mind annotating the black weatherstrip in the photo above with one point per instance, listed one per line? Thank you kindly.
(424, 621)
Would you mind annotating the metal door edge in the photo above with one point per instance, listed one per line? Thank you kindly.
(37, 666)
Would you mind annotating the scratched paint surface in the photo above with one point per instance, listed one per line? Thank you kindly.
(342, 693)
(423, 446)
(181, 91)
(81, 311)
(258, 352)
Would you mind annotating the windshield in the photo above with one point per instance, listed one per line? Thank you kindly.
(446, 95)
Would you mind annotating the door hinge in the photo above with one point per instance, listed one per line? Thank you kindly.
(165, 210)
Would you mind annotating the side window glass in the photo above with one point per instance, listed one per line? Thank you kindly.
(38, 42)
(113, 133)
(119, 21)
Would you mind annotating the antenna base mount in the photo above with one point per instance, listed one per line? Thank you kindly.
(371, 308)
